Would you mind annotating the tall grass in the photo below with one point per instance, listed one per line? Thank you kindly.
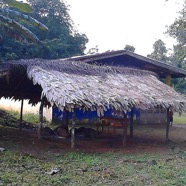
(28, 117)
(179, 119)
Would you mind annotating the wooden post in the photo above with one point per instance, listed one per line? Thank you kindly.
(21, 116)
(168, 80)
(40, 119)
(125, 126)
(167, 125)
(73, 130)
(131, 122)
(66, 118)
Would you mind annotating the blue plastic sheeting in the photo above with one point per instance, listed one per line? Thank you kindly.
(80, 114)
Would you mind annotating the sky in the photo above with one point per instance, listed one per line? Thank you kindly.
(111, 24)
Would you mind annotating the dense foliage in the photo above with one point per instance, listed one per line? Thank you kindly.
(129, 48)
(10, 25)
(159, 51)
(60, 41)
(177, 58)
(177, 30)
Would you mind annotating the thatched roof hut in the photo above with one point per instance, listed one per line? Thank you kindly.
(69, 84)
(78, 82)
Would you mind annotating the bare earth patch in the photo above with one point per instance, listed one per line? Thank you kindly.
(146, 139)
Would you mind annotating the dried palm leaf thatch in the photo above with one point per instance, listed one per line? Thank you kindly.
(69, 84)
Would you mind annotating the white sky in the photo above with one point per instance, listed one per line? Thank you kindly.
(111, 24)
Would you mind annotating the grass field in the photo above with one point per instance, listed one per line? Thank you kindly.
(77, 168)
(179, 119)
(147, 160)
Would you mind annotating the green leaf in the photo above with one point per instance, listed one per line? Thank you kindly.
(31, 20)
(23, 30)
(24, 7)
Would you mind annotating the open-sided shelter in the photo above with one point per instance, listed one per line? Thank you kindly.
(70, 84)
(129, 59)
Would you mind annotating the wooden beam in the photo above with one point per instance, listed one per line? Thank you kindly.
(21, 116)
(168, 80)
(125, 126)
(40, 119)
(167, 125)
(66, 118)
(131, 122)
(73, 130)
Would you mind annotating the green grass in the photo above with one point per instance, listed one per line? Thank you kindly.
(80, 168)
(178, 119)
(76, 168)
(28, 117)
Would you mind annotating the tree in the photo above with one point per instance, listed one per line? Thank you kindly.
(177, 30)
(13, 34)
(159, 51)
(9, 24)
(61, 40)
(129, 48)
(178, 57)
(93, 50)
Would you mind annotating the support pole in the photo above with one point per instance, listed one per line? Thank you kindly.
(21, 116)
(40, 119)
(131, 122)
(125, 126)
(168, 80)
(167, 125)
(73, 130)
(66, 119)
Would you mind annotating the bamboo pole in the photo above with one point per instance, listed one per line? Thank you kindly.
(66, 118)
(73, 130)
(168, 80)
(125, 126)
(131, 122)
(167, 125)
(21, 115)
(40, 119)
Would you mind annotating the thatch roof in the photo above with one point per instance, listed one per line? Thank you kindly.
(69, 84)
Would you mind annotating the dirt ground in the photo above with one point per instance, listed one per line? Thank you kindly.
(146, 139)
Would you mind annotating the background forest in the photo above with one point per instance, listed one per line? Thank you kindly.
(59, 41)
(177, 56)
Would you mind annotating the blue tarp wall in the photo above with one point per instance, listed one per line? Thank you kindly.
(80, 114)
